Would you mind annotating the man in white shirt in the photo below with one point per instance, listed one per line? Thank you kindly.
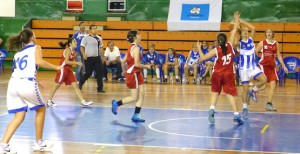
(112, 59)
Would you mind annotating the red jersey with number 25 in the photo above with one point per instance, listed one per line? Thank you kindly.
(224, 63)
(130, 60)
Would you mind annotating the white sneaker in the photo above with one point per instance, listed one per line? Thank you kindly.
(41, 145)
(5, 149)
(50, 103)
(86, 104)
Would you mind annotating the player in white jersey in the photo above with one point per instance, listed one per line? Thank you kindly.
(248, 67)
(23, 92)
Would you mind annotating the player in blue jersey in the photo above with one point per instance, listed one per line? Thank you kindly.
(151, 58)
(192, 61)
(210, 62)
(171, 62)
(248, 67)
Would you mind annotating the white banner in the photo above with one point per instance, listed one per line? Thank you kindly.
(7, 8)
(191, 15)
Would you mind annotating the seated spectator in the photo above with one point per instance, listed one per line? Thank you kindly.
(192, 62)
(171, 63)
(151, 58)
(112, 59)
(210, 62)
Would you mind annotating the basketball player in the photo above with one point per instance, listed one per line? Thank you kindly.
(152, 59)
(23, 92)
(192, 62)
(270, 49)
(134, 77)
(223, 73)
(171, 62)
(248, 69)
(66, 75)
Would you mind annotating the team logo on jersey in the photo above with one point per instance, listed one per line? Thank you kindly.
(195, 10)
(265, 47)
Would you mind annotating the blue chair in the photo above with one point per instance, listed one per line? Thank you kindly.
(3, 55)
(161, 62)
(292, 63)
(181, 60)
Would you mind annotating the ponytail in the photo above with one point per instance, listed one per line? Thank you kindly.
(66, 44)
(131, 34)
(222, 39)
(16, 43)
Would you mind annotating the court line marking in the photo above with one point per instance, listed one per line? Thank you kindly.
(163, 147)
(150, 126)
(265, 128)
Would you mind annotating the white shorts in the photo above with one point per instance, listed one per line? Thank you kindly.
(246, 75)
(23, 94)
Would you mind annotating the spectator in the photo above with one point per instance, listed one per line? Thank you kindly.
(112, 59)
(79, 36)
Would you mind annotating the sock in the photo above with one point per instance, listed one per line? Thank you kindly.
(255, 88)
(236, 113)
(145, 73)
(120, 103)
(176, 77)
(137, 110)
(4, 145)
(157, 73)
(166, 76)
(83, 101)
(212, 107)
(245, 105)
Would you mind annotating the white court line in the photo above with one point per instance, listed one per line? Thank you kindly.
(163, 147)
(150, 126)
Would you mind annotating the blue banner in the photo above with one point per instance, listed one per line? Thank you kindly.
(195, 12)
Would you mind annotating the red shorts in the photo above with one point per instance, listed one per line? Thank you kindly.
(270, 73)
(65, 76)
(133, 80)
(225, 80)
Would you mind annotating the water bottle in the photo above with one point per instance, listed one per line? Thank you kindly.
(171, 77)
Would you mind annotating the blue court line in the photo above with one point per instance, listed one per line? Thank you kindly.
(97, 125)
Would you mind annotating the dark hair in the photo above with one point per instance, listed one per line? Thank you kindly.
(222, 39)
(15, 43)
(131, 34)
(66, 44)
(92, 25)
(173, 51)
(81, 23)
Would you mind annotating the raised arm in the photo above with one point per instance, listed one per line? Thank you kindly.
(250, 26)
(236, 17)
(209, 55)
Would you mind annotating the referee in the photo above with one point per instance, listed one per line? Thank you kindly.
(90, 48)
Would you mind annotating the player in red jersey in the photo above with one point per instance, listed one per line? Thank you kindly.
(223, 73)
(133, 76)
(66, 75)
(270, 49)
